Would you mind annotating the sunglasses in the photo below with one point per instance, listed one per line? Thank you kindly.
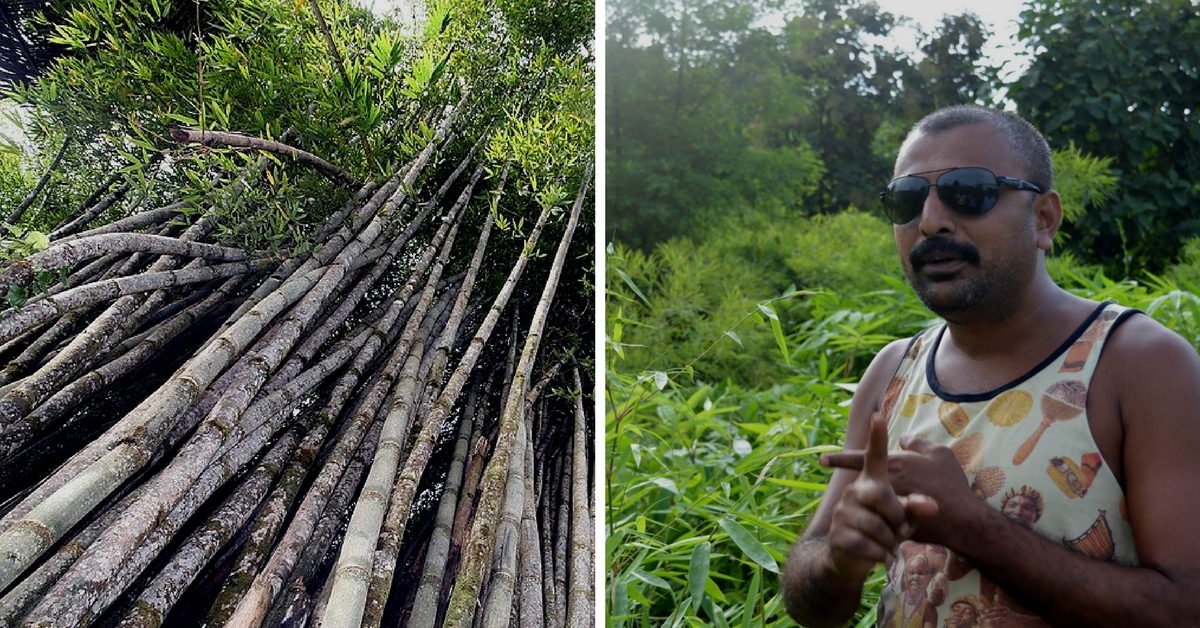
(969, 191)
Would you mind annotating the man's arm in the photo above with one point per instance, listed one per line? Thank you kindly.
(1157, 376)
(815, 591)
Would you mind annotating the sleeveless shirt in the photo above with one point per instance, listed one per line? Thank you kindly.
(1027, 450)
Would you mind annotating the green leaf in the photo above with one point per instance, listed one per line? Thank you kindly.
(651, 579)
(632, 286)
(777, 329)
(751, 598)
(735, 338)
(698, 573)
(666, 483)
(808, 486)
(37, 240)
(753, 549)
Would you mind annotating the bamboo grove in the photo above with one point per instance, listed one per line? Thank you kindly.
(299, 319)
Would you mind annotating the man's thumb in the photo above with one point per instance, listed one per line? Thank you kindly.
(919, 506)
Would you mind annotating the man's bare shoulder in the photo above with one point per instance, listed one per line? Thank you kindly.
(1142, 349)
(879, 374)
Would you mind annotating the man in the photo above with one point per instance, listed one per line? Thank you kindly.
(953, 435)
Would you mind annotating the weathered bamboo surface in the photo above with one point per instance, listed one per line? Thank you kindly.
(196, 434)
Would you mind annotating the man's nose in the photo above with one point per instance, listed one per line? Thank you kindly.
(936, 217)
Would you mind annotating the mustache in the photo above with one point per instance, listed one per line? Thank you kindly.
(933, 246)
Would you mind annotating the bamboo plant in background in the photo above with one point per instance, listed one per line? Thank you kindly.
(245, 300)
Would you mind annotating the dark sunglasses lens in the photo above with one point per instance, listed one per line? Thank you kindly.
(904, 198)
(969, 191)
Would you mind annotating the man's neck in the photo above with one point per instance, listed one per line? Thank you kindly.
(1046, 312)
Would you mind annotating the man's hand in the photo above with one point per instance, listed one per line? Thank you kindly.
(870, 519)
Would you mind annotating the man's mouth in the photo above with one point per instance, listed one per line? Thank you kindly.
(941, 264)
(941, 256)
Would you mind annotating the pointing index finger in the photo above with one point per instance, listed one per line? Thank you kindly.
(875, 463)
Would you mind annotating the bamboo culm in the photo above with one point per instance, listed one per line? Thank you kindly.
(478, 554)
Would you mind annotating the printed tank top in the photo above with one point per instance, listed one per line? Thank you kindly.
(1027, 450)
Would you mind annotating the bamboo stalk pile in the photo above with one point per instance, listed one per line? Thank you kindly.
(197, 434)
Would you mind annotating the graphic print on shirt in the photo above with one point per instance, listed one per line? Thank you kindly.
(953, 418)
(1097, 541)
(1010, 407)
(912, 402)
(1072, 479)
(1057, 485)
(1063, 400)
(924, 586)
(1079, 352)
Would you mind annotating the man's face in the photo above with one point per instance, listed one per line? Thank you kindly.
(962, 616)
(968, 268)
(1022, 510)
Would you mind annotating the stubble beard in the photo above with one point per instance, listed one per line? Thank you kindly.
(992, 292)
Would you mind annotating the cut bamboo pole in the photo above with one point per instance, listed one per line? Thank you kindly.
(26, 539)
(252, 608)
(499, 606)
(418, 458)
(153, 604)
(561, 542)
(580, 606)
(352, 581)
(18, 434)
(219, 428)
(14, 323)
(67, 254)
(532, 604)
(487, 528)
(424, 611)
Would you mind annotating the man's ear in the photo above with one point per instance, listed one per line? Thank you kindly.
(1047, 214)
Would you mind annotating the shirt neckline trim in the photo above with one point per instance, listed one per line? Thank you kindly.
(931, 374)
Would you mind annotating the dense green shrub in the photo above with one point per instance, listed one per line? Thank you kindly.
(686, 298)
(845, 252)
(708, 486)
(1186, 271)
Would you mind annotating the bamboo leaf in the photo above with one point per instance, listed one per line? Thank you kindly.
(753, 549)
(632, 286)
(698, 573)
(751, 598)
(808, 486)
(777, 329)
(651, 579)
(666, 483)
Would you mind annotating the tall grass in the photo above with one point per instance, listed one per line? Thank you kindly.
(710, 479)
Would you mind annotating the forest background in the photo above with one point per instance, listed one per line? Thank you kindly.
(751, 276)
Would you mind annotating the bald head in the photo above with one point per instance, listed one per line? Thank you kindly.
(1030, 147)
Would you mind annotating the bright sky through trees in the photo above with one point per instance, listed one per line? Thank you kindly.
(1001, 15)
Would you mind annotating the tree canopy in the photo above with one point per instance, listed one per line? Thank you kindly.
(797, 109)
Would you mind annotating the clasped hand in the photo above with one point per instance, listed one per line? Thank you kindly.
(915, 493)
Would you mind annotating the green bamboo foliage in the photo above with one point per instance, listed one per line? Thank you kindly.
(232, 375)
